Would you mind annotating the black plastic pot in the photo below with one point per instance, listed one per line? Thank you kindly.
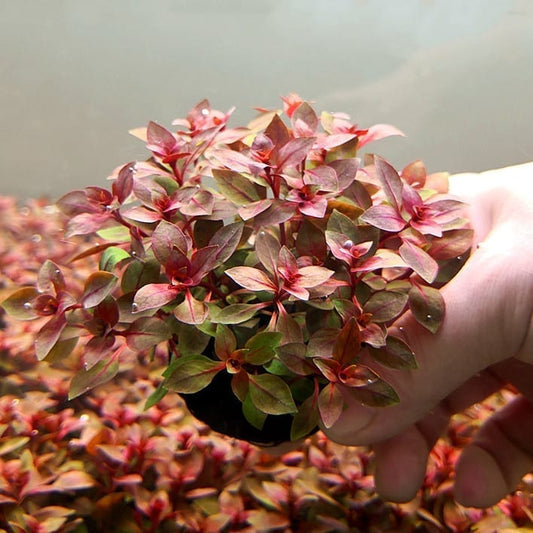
(217, 406)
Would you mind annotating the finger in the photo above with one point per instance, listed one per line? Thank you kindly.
(401, 461)
(499, 456)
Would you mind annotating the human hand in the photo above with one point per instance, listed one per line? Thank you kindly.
(485, 342)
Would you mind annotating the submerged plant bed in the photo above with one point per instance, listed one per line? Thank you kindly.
(101, 462)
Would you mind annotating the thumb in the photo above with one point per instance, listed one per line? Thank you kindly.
(486, 320)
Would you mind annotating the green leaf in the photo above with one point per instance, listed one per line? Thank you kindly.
(19, 304)
(85, 380)
(235, 187)
(376, 394)
(385, 306)
(112, 257)
(292, 355)
(159, 393)
(234, 313)
(252, 414)
(306, 419)
(13, 444)
(396, 354)
(192, 373)
(138, 274)
(271, 395)
(330, 404)
(191, 340)
(147, 332)
(116, 233)
(61, 349)
(427, 306)
(262, 347)
(97, 286)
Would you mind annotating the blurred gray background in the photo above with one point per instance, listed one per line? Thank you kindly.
(455, 75)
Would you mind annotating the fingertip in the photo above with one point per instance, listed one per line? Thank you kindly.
(479, 482)
(400, 466)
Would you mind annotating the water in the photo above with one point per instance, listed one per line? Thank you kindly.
(76, 76)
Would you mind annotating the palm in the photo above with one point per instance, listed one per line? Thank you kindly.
(485, 342)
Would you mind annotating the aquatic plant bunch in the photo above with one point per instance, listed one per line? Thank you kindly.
(267, 262)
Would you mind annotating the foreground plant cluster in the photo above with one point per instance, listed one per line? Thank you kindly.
(101, 462)
(269, 260)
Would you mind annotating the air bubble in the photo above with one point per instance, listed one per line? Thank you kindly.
(84, 418)
(347, 244)
(27, 305)
(15, 402)
(34, 433)
(401, 328)
(133, 253)
(36, 238)
(205, 111)
(429, 317)
(197, 185)
(134, 307)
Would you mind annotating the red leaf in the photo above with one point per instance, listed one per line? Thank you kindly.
(357, 376)
(226, 239)
(48, 335)
(421, 262)
(377, 132)
(249, 211)
(50, 278)
(154, 295)
(277, 132)
(191, 311)
(348, 343)
(160, 140)
(330, 404)
(384, 217)
(97, 287)
(167, 237)
(390, 182)
(311, 276)
(251, 278)
(97, 349)
(304, 121)
(294, 152)
(267, 248)
(123, 185)
(329, 368)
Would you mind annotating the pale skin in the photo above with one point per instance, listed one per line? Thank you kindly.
(485, 342)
